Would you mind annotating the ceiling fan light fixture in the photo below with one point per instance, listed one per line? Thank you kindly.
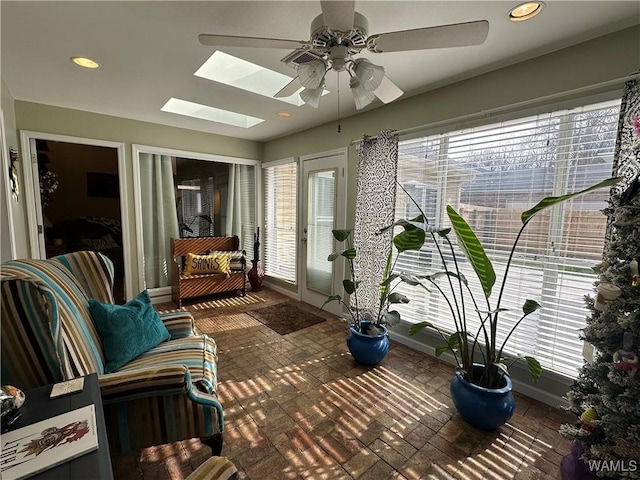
(311, 96)
(311, 74)
(525, 11)
(361, 96)
(369, 74)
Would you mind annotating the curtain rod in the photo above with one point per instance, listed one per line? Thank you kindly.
(493, 111)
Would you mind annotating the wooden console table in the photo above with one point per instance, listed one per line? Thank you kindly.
(38, 406)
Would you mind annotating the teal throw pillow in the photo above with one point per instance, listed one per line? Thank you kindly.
(127, 330)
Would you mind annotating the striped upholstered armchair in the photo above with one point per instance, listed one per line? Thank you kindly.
(48, 335)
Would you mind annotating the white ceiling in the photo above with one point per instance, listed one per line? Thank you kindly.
(149, 51)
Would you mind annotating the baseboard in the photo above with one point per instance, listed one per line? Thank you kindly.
(523, 387)
(278, 288)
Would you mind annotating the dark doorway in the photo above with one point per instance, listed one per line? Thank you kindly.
(80, 198)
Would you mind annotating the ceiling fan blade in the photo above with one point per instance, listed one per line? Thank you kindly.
(387, 91)
(254, 42)
(289, 89)
(338, 15)
(455, 35)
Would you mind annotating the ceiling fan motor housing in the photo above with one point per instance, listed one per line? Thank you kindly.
(323, 38)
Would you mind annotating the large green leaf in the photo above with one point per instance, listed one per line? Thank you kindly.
(440, 349)
(535, 369)
(332, 298)
(473, 250)
(398, 298)
(349, 286)
(416, 327)
(550, 201)
(409, 239)
(391, 318)
(349, 253)
(340, 235)
(530, 306)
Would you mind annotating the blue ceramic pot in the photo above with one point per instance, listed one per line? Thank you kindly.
(485, 408)
(368, 350)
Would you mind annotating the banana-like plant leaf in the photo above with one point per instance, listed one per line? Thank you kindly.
(391, 318)
(436, 275)
(473, 250)
(416, 327)
(332, 298)
(349, 253)
(417, 222)
(409, 280)
(349, 286)
(340, 235)
(409, 239)
(387, 281)
(332, 256)
(440, 349)
(398, 298)
(454, 340)
(535, 369)
(530, 306)
(550, 201)
(444, 232)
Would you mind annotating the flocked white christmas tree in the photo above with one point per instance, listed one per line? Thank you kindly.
(606, 395)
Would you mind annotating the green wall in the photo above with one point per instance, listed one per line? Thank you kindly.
(590, 63)
(62, 121)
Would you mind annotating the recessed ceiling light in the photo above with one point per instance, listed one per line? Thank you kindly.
(284, 114)
(85, 62)
(525, 11)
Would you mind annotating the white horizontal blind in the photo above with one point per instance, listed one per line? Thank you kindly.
(280, 207)
(490, 175)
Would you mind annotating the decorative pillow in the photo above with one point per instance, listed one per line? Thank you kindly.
(127, 330)
(212, 263)
(237, 258)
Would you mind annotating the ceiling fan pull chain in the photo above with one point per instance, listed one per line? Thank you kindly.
(338, 80)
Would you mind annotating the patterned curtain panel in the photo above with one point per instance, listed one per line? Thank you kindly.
(626, 161)
(375, 205)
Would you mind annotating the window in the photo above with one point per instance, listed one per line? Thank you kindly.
(280, 204)
(490, 175)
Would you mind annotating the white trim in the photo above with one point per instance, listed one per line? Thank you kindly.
(8, 200)
(283, 161)
(278, 288)
(26, 136)
(342, 156)
(136, 149)
(192, 155)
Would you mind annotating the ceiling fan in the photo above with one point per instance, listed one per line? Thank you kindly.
(339, 33)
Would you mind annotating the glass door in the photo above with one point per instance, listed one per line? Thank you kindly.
(324, 209)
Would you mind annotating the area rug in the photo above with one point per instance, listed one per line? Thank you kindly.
(285, 317)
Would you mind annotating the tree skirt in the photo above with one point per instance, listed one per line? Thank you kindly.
(285, 317)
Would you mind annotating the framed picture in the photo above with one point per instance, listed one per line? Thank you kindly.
(104, 185)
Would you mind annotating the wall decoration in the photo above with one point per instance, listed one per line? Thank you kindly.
(104, 185)
(13, 173)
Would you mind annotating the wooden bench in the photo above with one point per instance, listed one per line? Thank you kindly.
(199, 284)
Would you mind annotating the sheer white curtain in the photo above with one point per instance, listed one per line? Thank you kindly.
(241, 204)
(159, 217)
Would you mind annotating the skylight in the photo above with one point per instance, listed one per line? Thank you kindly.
(190, 109)
(224, 68)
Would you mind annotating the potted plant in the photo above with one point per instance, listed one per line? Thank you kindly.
(481, 387)
(368, 341)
